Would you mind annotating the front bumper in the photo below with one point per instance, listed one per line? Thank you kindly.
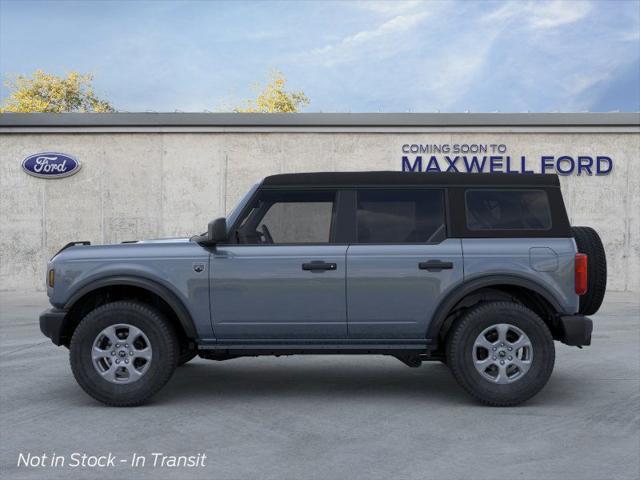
(575, 330)
(52, 324)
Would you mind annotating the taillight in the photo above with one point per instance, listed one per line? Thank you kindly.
(581, 273)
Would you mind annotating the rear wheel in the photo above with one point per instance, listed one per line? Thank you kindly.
(123, 352)
(501, 353)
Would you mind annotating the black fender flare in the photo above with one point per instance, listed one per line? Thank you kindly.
(464, 289)
(183, 315)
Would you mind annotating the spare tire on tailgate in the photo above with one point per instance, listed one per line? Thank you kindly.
(588, 242)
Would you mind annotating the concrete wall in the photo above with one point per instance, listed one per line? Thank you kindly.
(144, 185)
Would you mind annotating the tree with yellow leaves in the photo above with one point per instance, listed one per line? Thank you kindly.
(43, 92)
(274, 98)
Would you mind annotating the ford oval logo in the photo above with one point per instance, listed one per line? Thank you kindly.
(50, 165)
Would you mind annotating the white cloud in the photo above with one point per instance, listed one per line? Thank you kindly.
(460, 64)
(630, 36)
(498, 58)
(390, 7)
(541, 15)
(577, 83)
(379, 42)
(556, 13)
(395, 25)
(506, 12)
(451, 68)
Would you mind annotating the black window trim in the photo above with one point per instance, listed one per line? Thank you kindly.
(455, 215)
(345, 206)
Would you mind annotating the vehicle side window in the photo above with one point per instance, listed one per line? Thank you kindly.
(289, 217)
(507, 210)
(400, 216)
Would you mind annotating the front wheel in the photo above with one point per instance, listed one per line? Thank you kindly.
(123, 352)
(501, 353)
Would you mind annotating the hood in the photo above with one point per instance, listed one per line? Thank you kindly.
(131, 249)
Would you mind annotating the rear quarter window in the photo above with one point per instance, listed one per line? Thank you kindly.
(494, 209)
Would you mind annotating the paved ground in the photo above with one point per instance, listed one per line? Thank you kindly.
(329, 417)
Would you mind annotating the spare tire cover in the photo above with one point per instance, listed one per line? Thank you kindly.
(588, 242)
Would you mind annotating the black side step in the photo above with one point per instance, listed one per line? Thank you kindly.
(403, 349)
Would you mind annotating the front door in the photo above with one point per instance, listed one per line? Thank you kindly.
(282, 276)
(401, 264)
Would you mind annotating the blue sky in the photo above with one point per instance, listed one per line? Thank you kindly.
(355, 56)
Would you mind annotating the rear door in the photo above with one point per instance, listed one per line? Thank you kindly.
(401, 263)
(284, 275)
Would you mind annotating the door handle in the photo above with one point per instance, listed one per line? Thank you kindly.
(435, 265)
(319, 266)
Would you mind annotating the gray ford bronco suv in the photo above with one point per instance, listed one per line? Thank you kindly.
(479, 271)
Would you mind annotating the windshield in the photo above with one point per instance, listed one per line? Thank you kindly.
(233, 216)
(231, 219)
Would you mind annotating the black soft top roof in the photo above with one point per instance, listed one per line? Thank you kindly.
(411, 178)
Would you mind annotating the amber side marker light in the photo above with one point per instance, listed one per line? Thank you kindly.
(581, 273)
(52, 277)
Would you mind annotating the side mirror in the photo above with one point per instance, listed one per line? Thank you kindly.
(217, 231)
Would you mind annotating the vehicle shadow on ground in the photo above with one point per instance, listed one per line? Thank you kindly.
(432, 382)
(215, 380)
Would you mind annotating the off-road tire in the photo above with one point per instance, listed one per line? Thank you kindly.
(588, 242)
(163, 363)
(459, 353)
